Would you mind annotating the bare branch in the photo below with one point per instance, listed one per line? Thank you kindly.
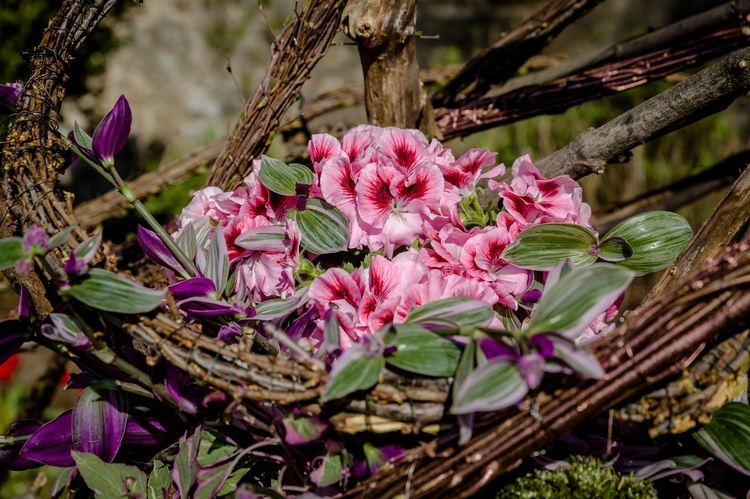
(501, 59)
(705, 93)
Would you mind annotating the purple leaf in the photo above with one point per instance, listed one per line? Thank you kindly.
(51, 444)
(302, 429)
(99, 420)
(112, 133)
(155, 249)
(531, 367)
(10, 93)
(25, 305)
(12, 334)
(207, 307)
(494, 349)
(196, 287)
(65, 329)
(151, 429)
(187, 396)
(10, 454)
(543, 345)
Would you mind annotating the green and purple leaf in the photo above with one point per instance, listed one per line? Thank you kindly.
(324, 228)
(423, 352)
(110, 292)
(727, 436)
(330, 471)
(496, 385)
(577, 298)
(156, 250)
(11, 252)
(356, 369)
(302, 428)
(281, 178)
(159, 481)
(578, 358)
(266, 238)
(217, 262)
(656, 238)
(455, 312)
(541, 247)
(185, 469)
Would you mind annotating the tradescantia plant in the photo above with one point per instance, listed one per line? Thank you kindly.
(377, 257)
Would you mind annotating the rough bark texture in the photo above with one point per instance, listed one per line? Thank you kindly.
(606, 78)
(384, 33)
(705, 93)
(499, 61)
(33, 156)
(296, 50)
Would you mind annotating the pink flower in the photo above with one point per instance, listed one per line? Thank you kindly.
(321, 148)
(480, 256)
(339, 290)
(531, 199)
(466, 171)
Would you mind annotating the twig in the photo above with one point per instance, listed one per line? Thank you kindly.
(501, 59)
(705, 93)
(300, 45)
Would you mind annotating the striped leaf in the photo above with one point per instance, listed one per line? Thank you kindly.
(615, 249)
(490, 387)
(423, 352)
(541, 247)
(727, 436)
(452, 313)
(574, 301)
(217, 262)
(577, 357)
(11, 252)
(281, 178)
(268, 238)
(110, 292)
(277, 308)
(656, 237)
(61, 236)
(355, 370)
(323, 227)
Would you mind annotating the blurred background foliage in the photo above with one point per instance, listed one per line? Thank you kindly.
(170, 58)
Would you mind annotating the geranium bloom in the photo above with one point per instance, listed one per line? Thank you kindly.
(532, 199)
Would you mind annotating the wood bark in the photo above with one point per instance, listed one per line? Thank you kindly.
(295, 51)
(500, 60)
(705, 93)
(384, 33)
(33, 155)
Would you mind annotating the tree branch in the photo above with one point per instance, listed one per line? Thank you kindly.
(501, 59)
(705, 93)
(301, 44)
(33, 156)
(589, 84)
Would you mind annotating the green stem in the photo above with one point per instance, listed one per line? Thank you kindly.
(87, 159)
(14, 440)
(181, 257)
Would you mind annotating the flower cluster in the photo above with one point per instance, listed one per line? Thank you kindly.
(401, 196)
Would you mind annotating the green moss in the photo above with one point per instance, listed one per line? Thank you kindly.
(583, 479)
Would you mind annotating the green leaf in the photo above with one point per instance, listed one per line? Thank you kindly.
(323, 227)
(217, 261)
(109, 480)
(615, 249)
(159, 481)
(454, 312)
(353, 371)
(277, 308)
(11, 252)
(329, 472)
(541, 247)
(490, 387)
(423, 352)
(186, 462)
(213, 448)
(727, 436)
(656, 237)
(61, 236)
(281, 178)
(574, 301)
(82, 138)
(110, 292)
